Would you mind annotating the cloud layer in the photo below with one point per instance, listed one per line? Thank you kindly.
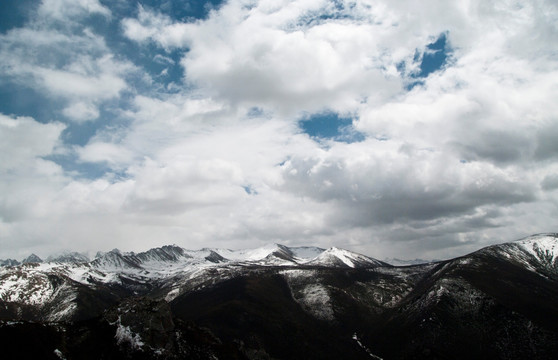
(176, 129)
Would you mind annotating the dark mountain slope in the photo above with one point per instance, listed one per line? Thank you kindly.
(484, 305)
(258, 311)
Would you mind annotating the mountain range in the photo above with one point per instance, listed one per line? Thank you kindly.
(280, 302)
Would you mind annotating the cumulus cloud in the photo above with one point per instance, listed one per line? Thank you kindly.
(280, 61)
(81, 111)
(382, 186)
(22, 140)
(69, 64)
(28, 180)
(451, 159)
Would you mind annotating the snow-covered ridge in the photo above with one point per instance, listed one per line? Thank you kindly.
(537, 253)
(41, 284)
(544, 247)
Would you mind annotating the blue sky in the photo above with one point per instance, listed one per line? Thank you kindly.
(392, 129)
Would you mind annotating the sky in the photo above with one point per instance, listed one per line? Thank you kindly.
(390, 128)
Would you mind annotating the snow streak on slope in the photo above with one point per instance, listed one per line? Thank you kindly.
(315, 299)
(312, 295)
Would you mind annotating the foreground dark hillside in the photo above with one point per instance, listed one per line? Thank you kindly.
(496, 303)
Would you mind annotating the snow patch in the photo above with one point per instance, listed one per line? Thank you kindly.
(171, 295)
(59, 354)
(125, 335)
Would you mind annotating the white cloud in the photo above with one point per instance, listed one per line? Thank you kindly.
(101, 152)
(27, 179)
(76, 67)
(148, 25)
(81, 111)
(262, 55)
(23, 140)
(68, 9)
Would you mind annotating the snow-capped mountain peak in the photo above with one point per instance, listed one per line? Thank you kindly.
(344, 258)
(537, 253)
(543, 247)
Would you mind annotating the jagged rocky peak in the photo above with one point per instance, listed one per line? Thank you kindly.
(68, 257)
(165, 253)
(32, 259)
(100, 254)
(115, 259)
(9, 262)
(215, 257)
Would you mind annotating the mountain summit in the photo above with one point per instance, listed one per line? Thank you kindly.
(32, 259)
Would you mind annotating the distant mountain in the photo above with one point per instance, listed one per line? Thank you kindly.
(9, 262)
(165, 253)
(285, 303)
(115, 260)
(32, 259)
(68, 257)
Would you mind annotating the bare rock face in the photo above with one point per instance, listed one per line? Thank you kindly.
(143, 324)
(9, 262)
(144, 328)
(32, 259)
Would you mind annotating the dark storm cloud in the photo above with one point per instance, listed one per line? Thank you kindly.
(374, 194)
(550, 182)
(547, 143)
(498, 146)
